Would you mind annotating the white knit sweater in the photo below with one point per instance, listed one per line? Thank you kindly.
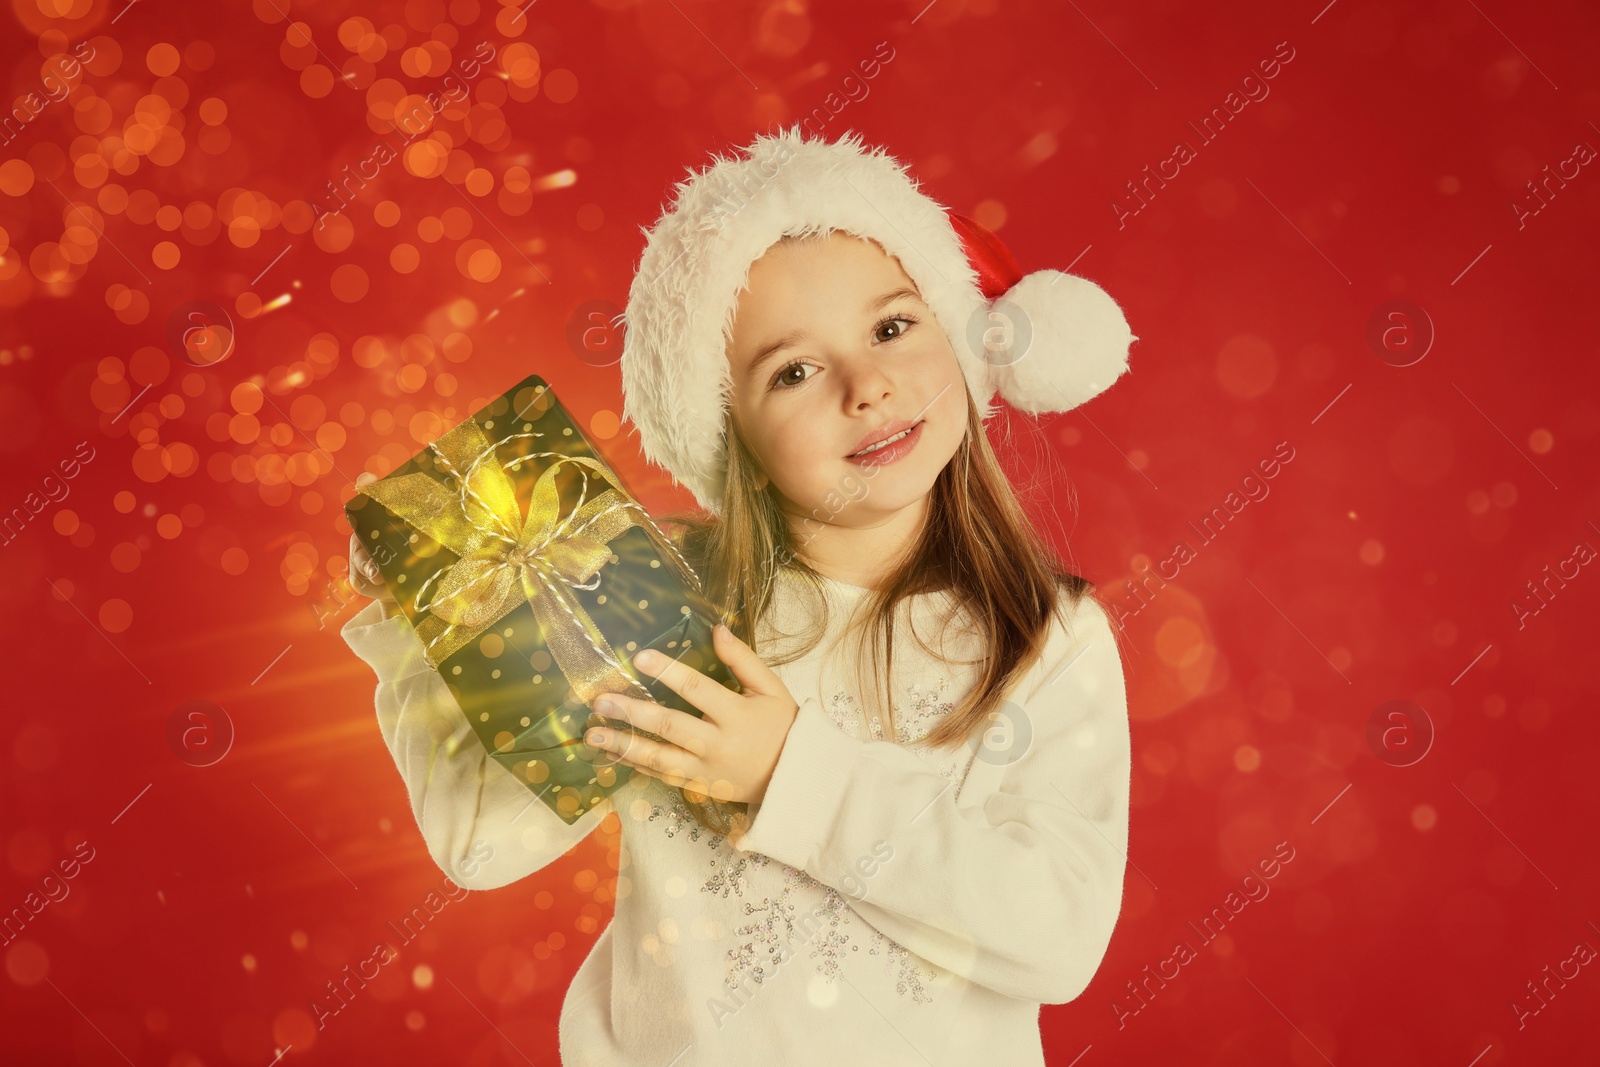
(888, 905)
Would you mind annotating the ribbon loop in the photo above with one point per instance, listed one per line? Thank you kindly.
(505, 560)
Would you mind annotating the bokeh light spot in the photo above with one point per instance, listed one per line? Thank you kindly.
(162, 59)
(1246, 366)
(333, 233)
(27, 963)
(115, 615)
(349, 283)
(560, 86)
(404, 258)
(484, 265)
(317, 81)
(16, 177)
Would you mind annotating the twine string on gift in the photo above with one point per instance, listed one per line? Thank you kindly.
(465, 481)
(661, 539)
(532, 559)
(505, 559)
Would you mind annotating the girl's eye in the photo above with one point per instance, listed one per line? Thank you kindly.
(784, 380)
(781, 380)
(907, 319)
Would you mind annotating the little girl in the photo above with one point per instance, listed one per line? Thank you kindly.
(847, 861)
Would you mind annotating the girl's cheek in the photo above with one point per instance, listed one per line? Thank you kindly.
(802, 460)
(794, 461)
(949, 384)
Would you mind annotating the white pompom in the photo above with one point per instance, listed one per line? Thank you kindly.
(1069, 342)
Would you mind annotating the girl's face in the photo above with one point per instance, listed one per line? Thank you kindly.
(831, 345)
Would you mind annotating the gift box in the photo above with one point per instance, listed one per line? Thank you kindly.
(532, 577)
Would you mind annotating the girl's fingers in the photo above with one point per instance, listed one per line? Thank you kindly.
(677, 728)
(625, 746)
(752, 672)
(699, 690)
(364, 574)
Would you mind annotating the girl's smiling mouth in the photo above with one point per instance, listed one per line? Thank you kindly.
(886, 449)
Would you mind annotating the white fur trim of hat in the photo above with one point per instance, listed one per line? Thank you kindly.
(1046, 342)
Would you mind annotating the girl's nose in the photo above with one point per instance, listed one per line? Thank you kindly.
(867, 384)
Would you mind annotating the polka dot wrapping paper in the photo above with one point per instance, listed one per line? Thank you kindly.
(532, 578)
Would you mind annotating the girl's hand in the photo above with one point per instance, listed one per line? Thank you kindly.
(729, 754)
(364, 576)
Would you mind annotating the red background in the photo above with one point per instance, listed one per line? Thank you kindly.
(196, 550)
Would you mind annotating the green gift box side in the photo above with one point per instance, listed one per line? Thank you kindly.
(506, 679)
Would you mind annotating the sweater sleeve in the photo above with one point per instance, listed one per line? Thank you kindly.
(482, 827)
(1013, 882)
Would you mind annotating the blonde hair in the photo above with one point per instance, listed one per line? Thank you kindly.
(977, 544)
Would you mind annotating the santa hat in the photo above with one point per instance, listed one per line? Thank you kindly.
(1047, 341)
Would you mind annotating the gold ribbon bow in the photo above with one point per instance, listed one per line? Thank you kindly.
(505, 560)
